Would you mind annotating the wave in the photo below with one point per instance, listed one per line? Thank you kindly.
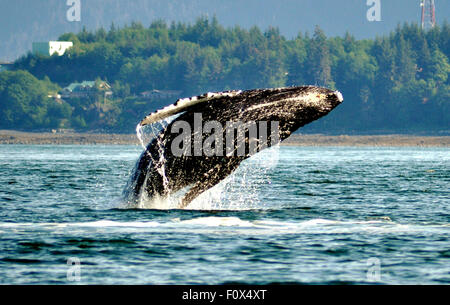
(235, 224)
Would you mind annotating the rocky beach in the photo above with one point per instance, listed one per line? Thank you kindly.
(75, 138)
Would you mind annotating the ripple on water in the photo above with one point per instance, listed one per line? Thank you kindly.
(318, 216)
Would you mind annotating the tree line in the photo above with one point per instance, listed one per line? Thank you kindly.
(394, 83)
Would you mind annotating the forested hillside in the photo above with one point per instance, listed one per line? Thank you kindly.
(395, 83)
(25, 21)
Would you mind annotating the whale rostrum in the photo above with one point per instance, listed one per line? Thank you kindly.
(214, 132)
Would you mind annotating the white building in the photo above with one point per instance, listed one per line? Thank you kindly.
(50, 47)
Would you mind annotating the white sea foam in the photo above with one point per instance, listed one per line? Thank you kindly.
(109, 223)
(234, 225)
(219, 221)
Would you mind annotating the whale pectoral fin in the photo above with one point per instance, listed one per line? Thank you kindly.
(184, 105)
(210, 179)
(196, 190)
(200, 187)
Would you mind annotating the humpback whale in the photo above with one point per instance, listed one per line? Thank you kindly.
(266, 116)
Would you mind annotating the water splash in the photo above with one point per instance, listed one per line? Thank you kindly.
(140, 134)
(147, 134)
(238, 191)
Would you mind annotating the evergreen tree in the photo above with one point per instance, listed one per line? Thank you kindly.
(396, 83)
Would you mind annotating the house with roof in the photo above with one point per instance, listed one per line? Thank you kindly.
(86, 89)
(161, 94)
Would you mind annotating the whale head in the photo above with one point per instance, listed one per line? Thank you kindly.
(291, 107)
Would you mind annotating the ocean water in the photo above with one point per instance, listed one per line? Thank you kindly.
(300, 215)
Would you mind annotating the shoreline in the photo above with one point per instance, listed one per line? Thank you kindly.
(396, 140)
(48, 138)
